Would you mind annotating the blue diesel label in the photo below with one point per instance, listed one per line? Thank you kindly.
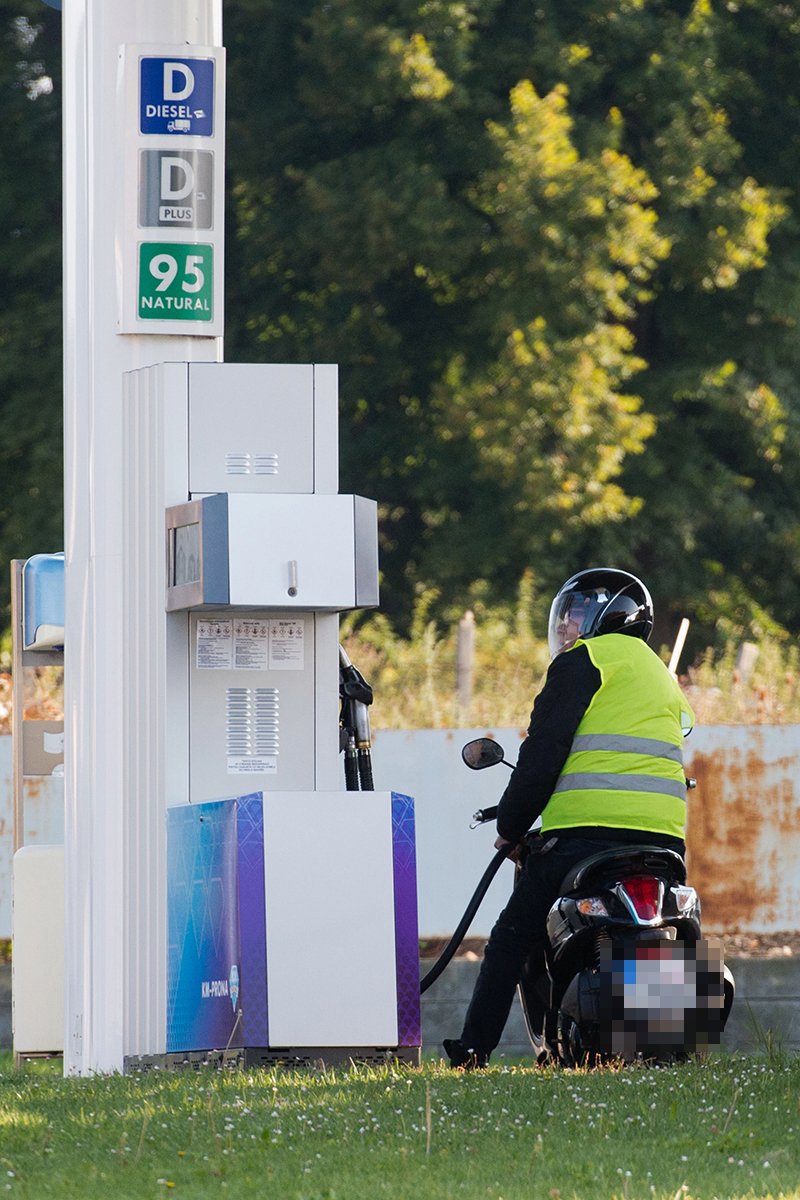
(176, 96)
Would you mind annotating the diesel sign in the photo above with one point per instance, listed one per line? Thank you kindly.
(176, 188)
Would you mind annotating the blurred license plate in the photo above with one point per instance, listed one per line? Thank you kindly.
(659, 979)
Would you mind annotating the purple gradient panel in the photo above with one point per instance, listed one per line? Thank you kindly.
(252, 921)
(406, 932)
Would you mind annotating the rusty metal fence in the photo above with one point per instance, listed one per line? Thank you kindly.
(743, 835)
(743, 840)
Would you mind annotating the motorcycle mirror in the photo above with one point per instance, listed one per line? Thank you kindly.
(482, 752)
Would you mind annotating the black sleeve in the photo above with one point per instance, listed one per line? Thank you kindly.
(571, 682)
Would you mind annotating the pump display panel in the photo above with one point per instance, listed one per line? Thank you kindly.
(197, 552)
(185, 555)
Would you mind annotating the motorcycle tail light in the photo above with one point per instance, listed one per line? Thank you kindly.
(592, 907)
(685, 897)
(644, 893)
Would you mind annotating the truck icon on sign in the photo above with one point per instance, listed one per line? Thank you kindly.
(179, 125)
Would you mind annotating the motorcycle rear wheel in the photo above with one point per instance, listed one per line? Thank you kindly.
(571, 1050)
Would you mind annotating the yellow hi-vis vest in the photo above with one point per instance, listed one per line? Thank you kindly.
(625, 766)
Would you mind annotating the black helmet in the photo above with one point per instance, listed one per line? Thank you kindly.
(600, 600)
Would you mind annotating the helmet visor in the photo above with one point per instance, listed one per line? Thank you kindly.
(572, 614)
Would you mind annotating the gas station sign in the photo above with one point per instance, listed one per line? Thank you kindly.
(176, 95)
(176, 188)
(176, 281)
(171, 279)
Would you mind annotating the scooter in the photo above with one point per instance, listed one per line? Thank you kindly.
(628, 975)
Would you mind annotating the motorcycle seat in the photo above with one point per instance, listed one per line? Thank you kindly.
(624, 862)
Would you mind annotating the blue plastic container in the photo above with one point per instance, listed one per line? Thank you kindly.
(43, 602)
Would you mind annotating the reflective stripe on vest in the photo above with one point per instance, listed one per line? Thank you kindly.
(581, 781)
(627, 745)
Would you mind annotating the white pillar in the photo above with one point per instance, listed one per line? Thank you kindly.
(99, 957)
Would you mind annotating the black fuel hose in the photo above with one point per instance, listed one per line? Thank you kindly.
(466, 920)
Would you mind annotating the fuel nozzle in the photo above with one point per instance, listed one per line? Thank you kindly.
(355, 738)
(352, 684)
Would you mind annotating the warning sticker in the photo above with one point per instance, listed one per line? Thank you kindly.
(286, 644)
(250, 644)
(214, 645)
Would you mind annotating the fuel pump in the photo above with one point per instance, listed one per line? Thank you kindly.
(291, 903)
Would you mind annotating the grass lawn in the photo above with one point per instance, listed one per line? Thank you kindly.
(726, 1128)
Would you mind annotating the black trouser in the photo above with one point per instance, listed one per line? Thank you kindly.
(519, 937)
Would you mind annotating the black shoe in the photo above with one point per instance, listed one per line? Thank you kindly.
(462, 1058)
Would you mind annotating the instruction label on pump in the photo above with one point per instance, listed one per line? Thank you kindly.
(214, 645)
(253, 766)
(250, 645)
(287, 644)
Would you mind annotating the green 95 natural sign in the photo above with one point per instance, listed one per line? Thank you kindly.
(176, 281)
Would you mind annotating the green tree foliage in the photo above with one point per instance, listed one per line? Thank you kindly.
(494, 216)
(398, 210)
(30, 284)
(554, 248)
(473, 270)
(718, 532)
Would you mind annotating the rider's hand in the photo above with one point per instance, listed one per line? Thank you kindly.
(514, 854)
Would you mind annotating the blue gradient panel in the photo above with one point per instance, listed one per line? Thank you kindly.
(205, 973)
(406, 936)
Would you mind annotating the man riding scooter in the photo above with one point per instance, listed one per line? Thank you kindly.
(602, 765)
